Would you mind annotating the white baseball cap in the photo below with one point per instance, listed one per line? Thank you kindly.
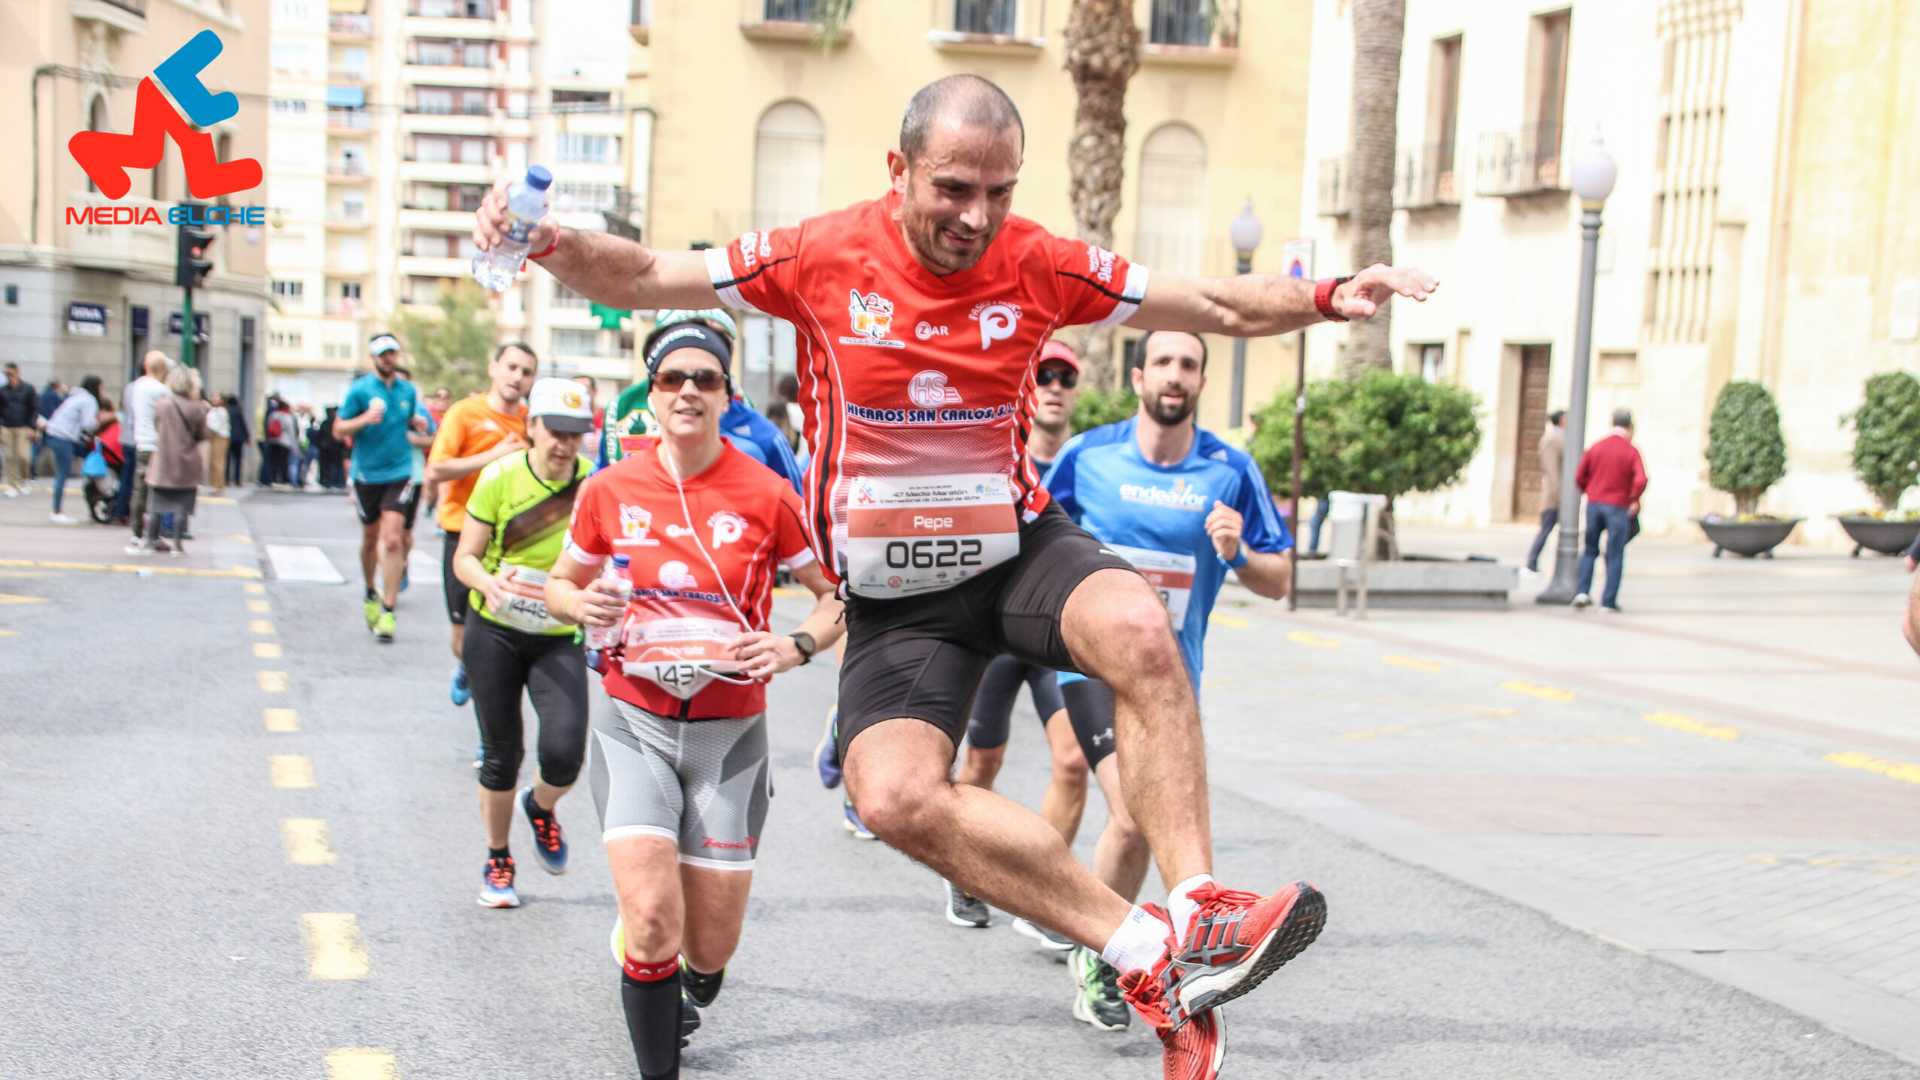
(562, 405)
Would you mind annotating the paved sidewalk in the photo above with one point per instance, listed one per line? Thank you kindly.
(1726, 776)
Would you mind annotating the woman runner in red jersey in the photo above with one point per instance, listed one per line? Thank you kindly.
(679, 766)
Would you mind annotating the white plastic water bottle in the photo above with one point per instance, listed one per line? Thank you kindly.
(526, 205)
(602, 638)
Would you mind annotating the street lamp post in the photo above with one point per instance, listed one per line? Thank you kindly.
(1594, 172)
(1245, 232)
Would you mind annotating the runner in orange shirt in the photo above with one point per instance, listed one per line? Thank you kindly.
(921, 315)
(475, 433)
(679, 768)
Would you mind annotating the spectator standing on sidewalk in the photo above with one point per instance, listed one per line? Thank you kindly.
(141, 397)
(18, 425)
(1553, 450)
(238, 433)
(72, 422)
(50, 399)
(1613, 477)
(174, 468)
(281, 441)
(219, 435)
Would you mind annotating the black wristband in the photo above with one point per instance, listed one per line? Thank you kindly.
(804, 642)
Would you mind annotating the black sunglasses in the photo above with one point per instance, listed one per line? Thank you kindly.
(1048, 376)
(706, 380)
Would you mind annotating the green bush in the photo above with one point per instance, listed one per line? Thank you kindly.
(1382, 434)
(1886, 443)
(1746, 453)
(1099, 407)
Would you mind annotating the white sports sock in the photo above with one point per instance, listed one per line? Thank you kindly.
(1180, 907)
(1138, 944)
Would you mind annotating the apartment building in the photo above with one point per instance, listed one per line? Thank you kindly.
(1758, 229)
(759, 126)
(391, 119)
(79, 296)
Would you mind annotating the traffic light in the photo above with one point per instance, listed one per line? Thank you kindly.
(193, 257)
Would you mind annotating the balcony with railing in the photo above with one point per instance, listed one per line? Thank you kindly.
(348, 121)
(347, 170)
(989, 26)
(349, 27)
(1334, 197)
(455, 18)
(1196, 33)
(127, 15)
(1425, 178)
(1524, 162)
(784, 21)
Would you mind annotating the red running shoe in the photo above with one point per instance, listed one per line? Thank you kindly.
(1191, 1047)
(1235, 940)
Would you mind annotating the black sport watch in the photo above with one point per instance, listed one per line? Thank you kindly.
(805, 643)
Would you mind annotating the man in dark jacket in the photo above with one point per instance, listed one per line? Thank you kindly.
(1613, 477)
(50, 399)
(237, 446)
(18, 425)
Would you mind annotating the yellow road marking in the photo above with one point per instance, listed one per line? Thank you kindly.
(9, 633)
(272, 682)
(306, 841)
(1535, 690)
(790, 592)
(1895, 770)
(259, 607)
(254, 588)
(334, 950)
(361, 1063)
(1312, 640)
(1688, 724)
(291, 771)
(239, 538)
(16, 598)
(1414, 663)
(280, 721)
(244, 572)
(262, 627)
(1231, 622)
(218, 500)
(266, 650)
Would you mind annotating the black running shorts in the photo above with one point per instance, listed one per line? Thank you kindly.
(394, 497)
(456, 590)
(922, 656)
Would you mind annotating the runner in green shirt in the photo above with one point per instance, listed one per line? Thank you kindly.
(516, 525)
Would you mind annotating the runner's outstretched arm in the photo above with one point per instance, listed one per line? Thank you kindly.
(1256, 305)
(604, 268)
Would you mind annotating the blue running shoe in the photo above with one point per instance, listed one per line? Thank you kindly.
(826, 755)
(853, 823)
(496, 884)
(461, 691)
(479, 755)
(406, 578)
(549, 840)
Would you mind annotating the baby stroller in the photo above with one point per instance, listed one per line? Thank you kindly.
(101, 471)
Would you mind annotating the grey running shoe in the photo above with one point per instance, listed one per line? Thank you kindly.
(1053, 944)
(1096, 991)
(964, 909)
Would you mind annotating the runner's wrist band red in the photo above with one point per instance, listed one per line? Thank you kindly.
(550, 249)
(1323, 297)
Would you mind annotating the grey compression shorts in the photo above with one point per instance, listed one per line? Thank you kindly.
(703, 784)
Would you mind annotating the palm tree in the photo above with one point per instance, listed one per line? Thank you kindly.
(1103, 52)
(1378, 26)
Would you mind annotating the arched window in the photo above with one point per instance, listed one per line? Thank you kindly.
(96, 121)
(1173, 200)
(789, 144)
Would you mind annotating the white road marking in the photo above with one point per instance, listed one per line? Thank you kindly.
(302, 562)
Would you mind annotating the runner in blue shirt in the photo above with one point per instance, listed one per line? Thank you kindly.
(383, 413)
(1183, 507)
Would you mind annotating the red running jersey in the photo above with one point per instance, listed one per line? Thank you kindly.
(918, 389)
(682, 618)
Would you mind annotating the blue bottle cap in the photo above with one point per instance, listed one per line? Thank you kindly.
(539, 178)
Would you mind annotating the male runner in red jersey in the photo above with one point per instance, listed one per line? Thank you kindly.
(920, 316)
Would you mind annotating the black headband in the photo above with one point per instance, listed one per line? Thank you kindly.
(690, 335)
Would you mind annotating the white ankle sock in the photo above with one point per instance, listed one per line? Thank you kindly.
(1138, 944)
(1180, 907)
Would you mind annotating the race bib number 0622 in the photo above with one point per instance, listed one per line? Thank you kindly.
(918, 534)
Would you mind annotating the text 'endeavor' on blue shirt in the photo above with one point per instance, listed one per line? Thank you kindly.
(1155, 517)
(381, 452)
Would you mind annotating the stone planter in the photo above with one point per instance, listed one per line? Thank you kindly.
(1885, 537)
(1747, 538)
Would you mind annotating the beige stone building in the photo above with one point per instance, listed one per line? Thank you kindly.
(1760, 227)
(757, 125)
(81, 298)
(391, 118)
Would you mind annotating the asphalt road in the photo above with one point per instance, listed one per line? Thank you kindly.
(156, 926)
